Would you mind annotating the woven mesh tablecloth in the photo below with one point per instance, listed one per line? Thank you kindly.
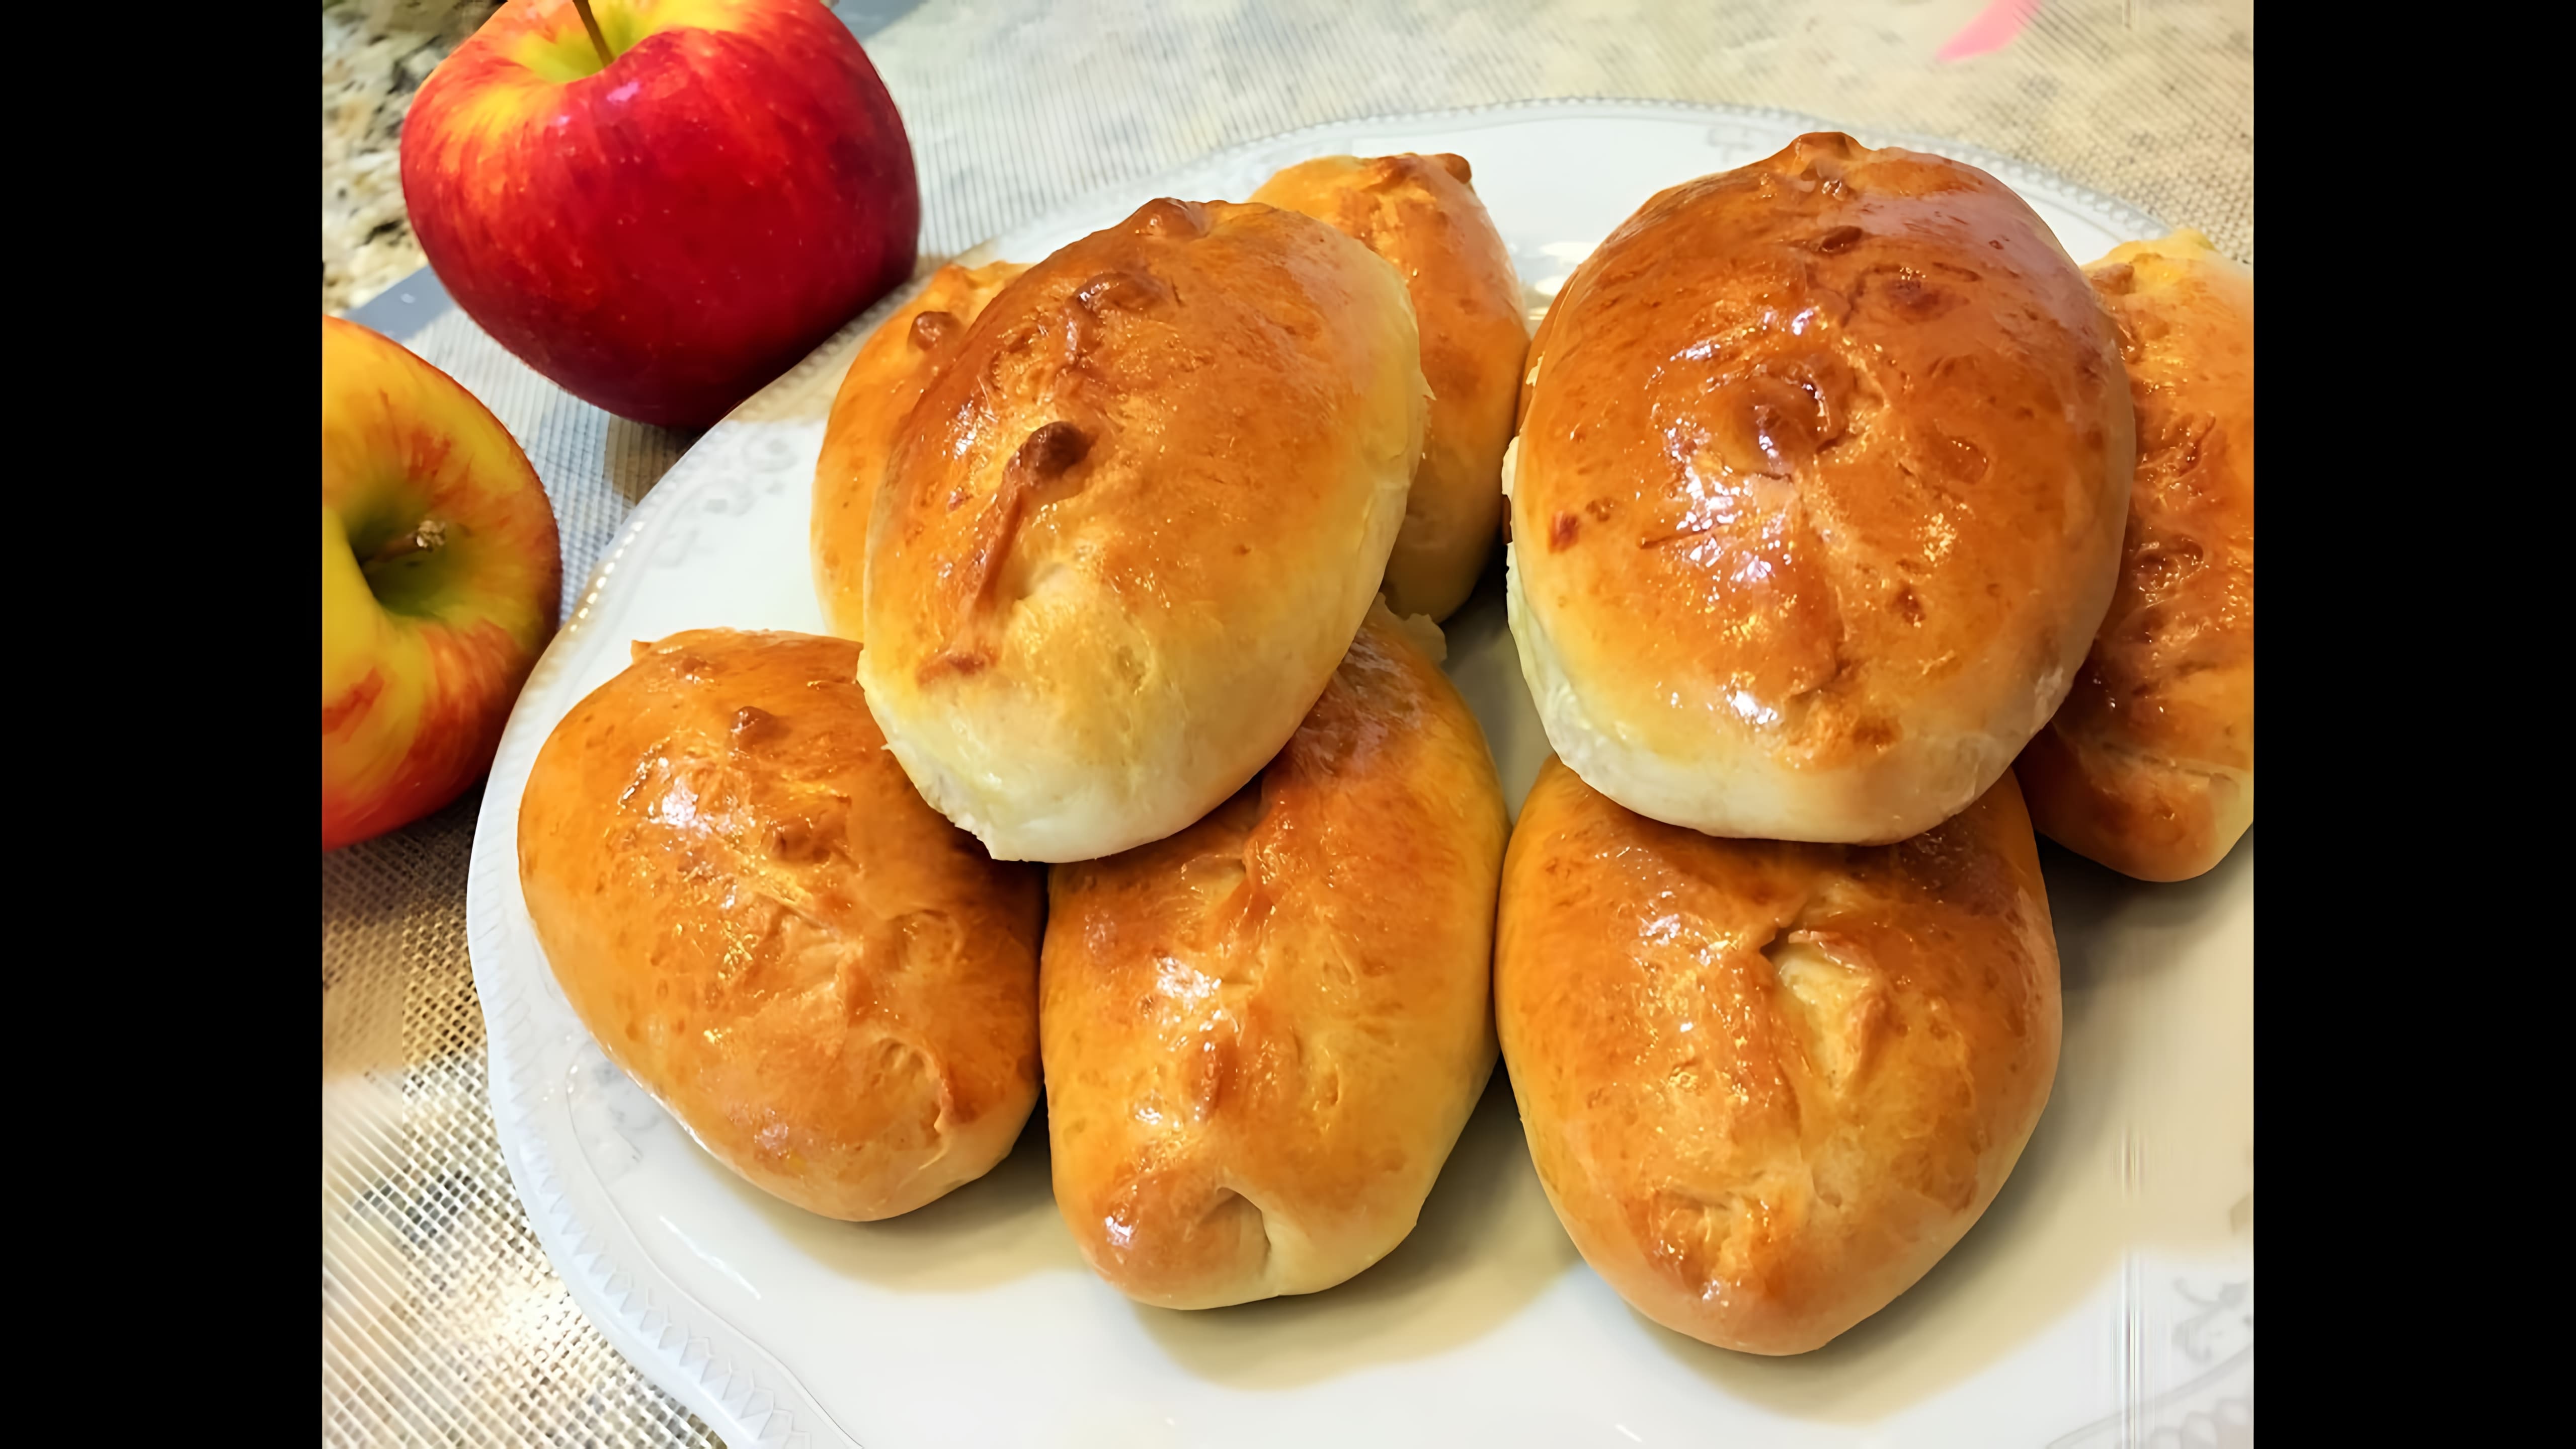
(441, 1320)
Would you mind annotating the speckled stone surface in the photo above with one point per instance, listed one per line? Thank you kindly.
(375, 54)
(2151, 100)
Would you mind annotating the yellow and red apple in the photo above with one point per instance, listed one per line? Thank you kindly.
(441, 572)
(664, 230)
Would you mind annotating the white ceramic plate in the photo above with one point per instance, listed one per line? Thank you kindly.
(2108, 1293)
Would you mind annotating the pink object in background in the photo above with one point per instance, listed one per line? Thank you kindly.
(1992, 30)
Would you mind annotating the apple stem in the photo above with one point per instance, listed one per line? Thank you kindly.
(428, 536)
(590, 23)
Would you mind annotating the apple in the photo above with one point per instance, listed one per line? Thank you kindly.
(664, 231)
(440, 577)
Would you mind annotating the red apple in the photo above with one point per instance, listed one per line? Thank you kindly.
(440, 577)
(667, 232)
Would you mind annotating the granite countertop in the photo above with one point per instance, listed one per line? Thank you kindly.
(375, 54)
(2088, 87)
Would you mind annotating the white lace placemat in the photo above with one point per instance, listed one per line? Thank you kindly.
(442, 1322)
